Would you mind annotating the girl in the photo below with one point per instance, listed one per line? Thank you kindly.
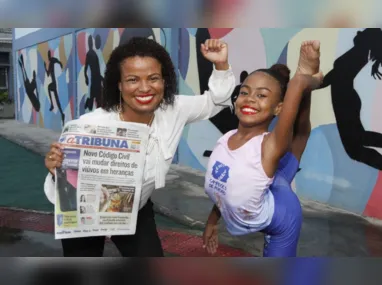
(250, 170)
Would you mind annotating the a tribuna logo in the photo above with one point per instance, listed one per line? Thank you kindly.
(95, 141)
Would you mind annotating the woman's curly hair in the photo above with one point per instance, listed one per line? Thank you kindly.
(143, 47)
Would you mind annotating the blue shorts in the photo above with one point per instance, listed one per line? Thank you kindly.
(282, 234)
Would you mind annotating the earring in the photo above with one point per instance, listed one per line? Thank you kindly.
(120, 102)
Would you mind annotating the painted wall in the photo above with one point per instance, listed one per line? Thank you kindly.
(44, 83)
(21, 32)
(52, 91)
(342, 162)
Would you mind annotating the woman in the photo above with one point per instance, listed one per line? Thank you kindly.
(250, 170)
(140, 86)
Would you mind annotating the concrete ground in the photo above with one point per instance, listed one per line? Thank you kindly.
(26, 233)
(326, 231)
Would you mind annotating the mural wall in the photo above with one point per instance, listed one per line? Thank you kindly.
(61, 79)
(342, 163)
(44, 96)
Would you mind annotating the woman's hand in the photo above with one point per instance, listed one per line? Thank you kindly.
(216, 51)
(54, 157)
(210, 238)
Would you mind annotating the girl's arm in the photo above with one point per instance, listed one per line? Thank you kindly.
(276, 144)
(302, 127)
(214, 216)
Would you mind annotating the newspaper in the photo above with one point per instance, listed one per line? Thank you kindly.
(98, 186)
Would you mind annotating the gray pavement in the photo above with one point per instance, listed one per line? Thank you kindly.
(326, 231)
(26, 243)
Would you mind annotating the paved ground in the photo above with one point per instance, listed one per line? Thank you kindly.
(25, 233)
(326, 231)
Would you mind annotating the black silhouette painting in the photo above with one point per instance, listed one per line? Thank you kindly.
(225, 120)
(30, 86)
(52, 87)
(92, 62)
(129, 33)
(346, 101)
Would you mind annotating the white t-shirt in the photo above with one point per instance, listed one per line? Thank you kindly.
(167, 128)
(239, 187)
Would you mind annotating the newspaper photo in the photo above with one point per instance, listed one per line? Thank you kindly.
(99, 183)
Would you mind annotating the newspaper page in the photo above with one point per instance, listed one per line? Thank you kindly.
(98, 186)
